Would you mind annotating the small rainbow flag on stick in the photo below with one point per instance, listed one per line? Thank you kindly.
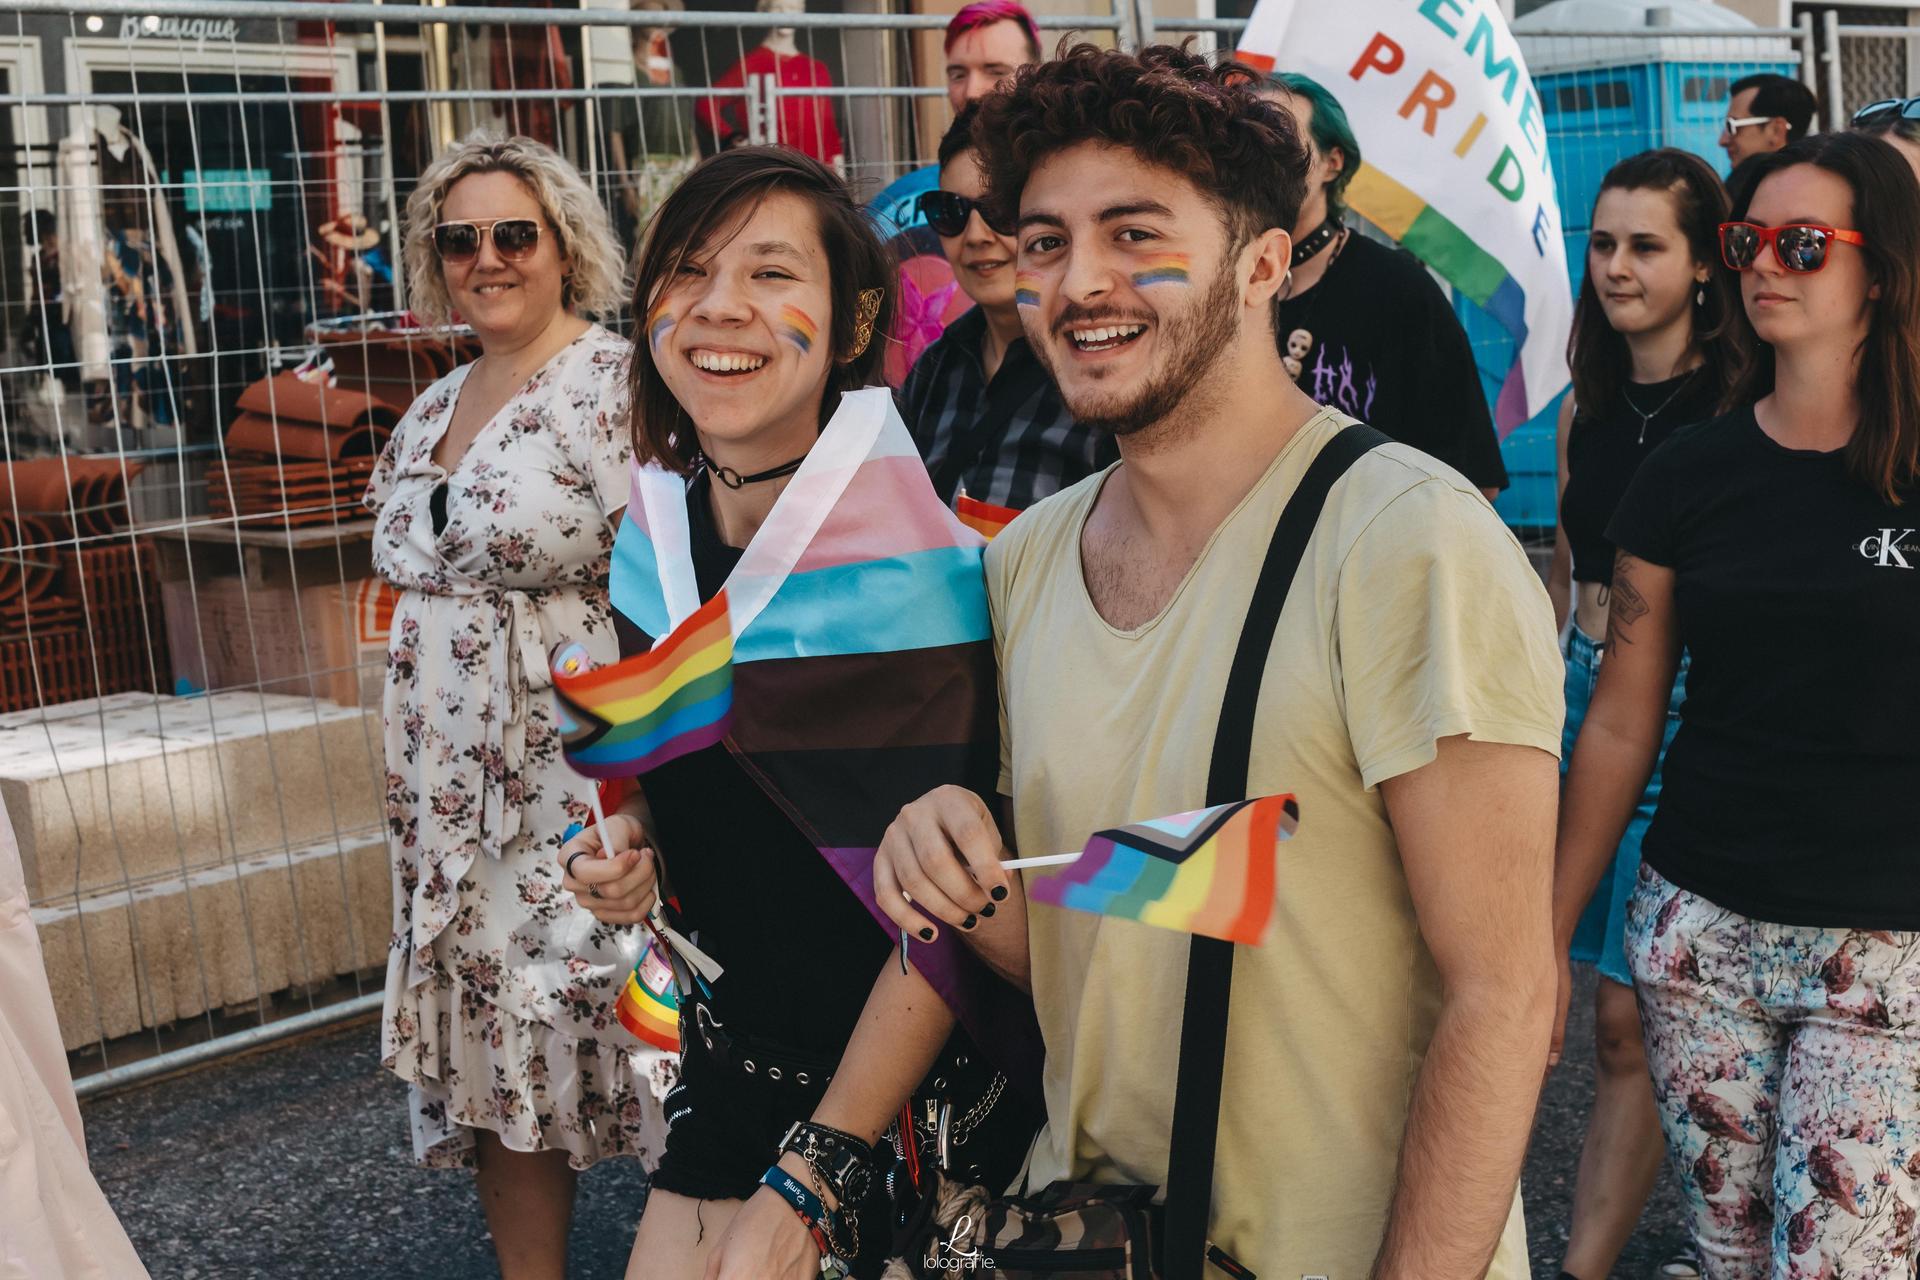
(639, 713)
(983, 518)
(1210, 872)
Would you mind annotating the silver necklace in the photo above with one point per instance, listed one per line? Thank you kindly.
(1646, 417)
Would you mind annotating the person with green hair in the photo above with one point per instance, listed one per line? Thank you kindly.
(1362, 327)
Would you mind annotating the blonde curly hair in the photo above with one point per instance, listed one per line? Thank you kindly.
(595, 282)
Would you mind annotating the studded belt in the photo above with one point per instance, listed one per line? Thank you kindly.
(756, 1059)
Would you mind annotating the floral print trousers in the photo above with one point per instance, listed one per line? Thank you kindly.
(1786, 1066)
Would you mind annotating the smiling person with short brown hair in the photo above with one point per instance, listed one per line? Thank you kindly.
(1386, 1042)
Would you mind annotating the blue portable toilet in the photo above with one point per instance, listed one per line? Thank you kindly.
(1605, 99)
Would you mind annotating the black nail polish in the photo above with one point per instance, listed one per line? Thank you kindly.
(999, 893)
(926, 935)
(987, 911)
(969, 922)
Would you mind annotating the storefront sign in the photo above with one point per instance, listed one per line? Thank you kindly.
(199, 30)
(228, 190)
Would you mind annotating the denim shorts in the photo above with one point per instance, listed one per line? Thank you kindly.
(1599, 938)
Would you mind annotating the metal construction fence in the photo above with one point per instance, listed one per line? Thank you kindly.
(205, 341)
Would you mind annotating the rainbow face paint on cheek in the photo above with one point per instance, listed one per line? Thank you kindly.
(1163, 268)
(660, 323)
(1026, 288)
(797, 327)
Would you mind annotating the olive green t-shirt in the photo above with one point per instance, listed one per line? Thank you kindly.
(1415, 616)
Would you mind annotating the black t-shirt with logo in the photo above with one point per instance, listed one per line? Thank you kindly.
(1381, 343)
(1791, 792)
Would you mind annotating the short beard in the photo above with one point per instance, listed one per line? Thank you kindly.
(1195, 342)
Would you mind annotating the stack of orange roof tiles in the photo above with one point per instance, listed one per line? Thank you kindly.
(299, 454)
(79, 595)
(394, 366)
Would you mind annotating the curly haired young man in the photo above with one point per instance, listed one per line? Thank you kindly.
(1387, 1041)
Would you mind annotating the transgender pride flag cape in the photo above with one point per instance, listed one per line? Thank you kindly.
(862, 665)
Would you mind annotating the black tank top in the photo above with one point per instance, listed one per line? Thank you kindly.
(1607, 447)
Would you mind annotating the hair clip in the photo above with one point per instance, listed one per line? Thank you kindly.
(866, 310)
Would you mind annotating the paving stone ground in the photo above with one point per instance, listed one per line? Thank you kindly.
(292, 1164)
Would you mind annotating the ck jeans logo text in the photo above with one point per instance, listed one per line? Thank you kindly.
(1889, 548)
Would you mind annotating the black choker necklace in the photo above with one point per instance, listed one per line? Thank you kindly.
(1316, 240)
(733, 479)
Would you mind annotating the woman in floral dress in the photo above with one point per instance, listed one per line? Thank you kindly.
(497, 501)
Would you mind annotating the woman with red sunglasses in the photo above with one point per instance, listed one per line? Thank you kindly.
(1774, 931)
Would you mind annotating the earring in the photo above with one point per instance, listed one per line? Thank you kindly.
(1700, 296)
(866, 309)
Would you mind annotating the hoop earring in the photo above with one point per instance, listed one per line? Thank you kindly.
(866, 309)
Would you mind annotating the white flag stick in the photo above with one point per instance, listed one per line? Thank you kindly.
(1044, 860)
(708, 967)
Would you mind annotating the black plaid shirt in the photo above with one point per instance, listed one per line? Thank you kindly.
(1036, 453)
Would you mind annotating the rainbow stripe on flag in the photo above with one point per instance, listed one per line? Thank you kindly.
(983, 518)
(1431, 237)
(649, 1005)
(1026, 288)
(637, 714)
(1211, 872)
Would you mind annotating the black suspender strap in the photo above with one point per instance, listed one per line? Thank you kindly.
(1203, 1029)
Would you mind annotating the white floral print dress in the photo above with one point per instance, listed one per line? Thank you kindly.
(500, 990)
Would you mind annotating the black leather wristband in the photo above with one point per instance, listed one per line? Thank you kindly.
(844, 1162)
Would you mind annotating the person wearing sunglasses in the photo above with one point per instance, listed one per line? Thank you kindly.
(1764, 113)
(495, 501)
(1657, 342)
(1897, 121)
(1774, 926)
(984, 411)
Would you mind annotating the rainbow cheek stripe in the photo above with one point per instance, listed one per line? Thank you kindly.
(659, 324)
(797, 327)
(1026, 288)
(1165, 268)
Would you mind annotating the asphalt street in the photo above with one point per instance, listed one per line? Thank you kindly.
(293, 1164)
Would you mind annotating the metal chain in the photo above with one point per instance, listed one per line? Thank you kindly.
(980, 1109)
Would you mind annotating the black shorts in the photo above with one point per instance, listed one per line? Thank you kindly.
(725, 1123)
(724, 1128)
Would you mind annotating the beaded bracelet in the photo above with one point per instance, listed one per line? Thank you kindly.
(806, 1205)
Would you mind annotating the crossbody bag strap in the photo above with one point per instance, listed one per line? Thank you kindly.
(1203, 1029)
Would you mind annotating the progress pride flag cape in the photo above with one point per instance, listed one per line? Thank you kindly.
(863, 665)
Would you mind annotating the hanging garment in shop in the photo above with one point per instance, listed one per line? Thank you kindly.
(522, 58)
(806, 121)
(123, 287)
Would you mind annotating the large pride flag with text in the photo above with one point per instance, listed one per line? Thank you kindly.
(1455, 149)
(862, 662)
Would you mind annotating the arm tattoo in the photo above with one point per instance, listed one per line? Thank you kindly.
(1627, 606)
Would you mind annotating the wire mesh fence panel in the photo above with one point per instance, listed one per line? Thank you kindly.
(1877, 52)
(206, 339)
(208, 335)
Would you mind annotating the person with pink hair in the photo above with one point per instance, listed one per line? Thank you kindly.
(987, 41)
